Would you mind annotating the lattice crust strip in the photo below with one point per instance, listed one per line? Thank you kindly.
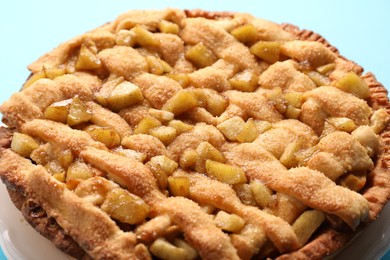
(181, 135)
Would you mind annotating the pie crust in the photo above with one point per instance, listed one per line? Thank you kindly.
(334, 138)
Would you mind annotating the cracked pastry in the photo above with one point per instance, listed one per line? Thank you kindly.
(197, 135)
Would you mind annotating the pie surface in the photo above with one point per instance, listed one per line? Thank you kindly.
(197, 135)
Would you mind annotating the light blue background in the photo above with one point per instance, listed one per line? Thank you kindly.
(28, 29)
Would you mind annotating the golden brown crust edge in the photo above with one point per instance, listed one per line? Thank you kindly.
(34, 214)
(208, 15)
(378, 191)
(323, 245)
(47, 226)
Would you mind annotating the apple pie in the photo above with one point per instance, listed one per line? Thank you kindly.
(186, 134)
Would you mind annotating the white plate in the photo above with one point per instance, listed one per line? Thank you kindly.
(20, 241)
